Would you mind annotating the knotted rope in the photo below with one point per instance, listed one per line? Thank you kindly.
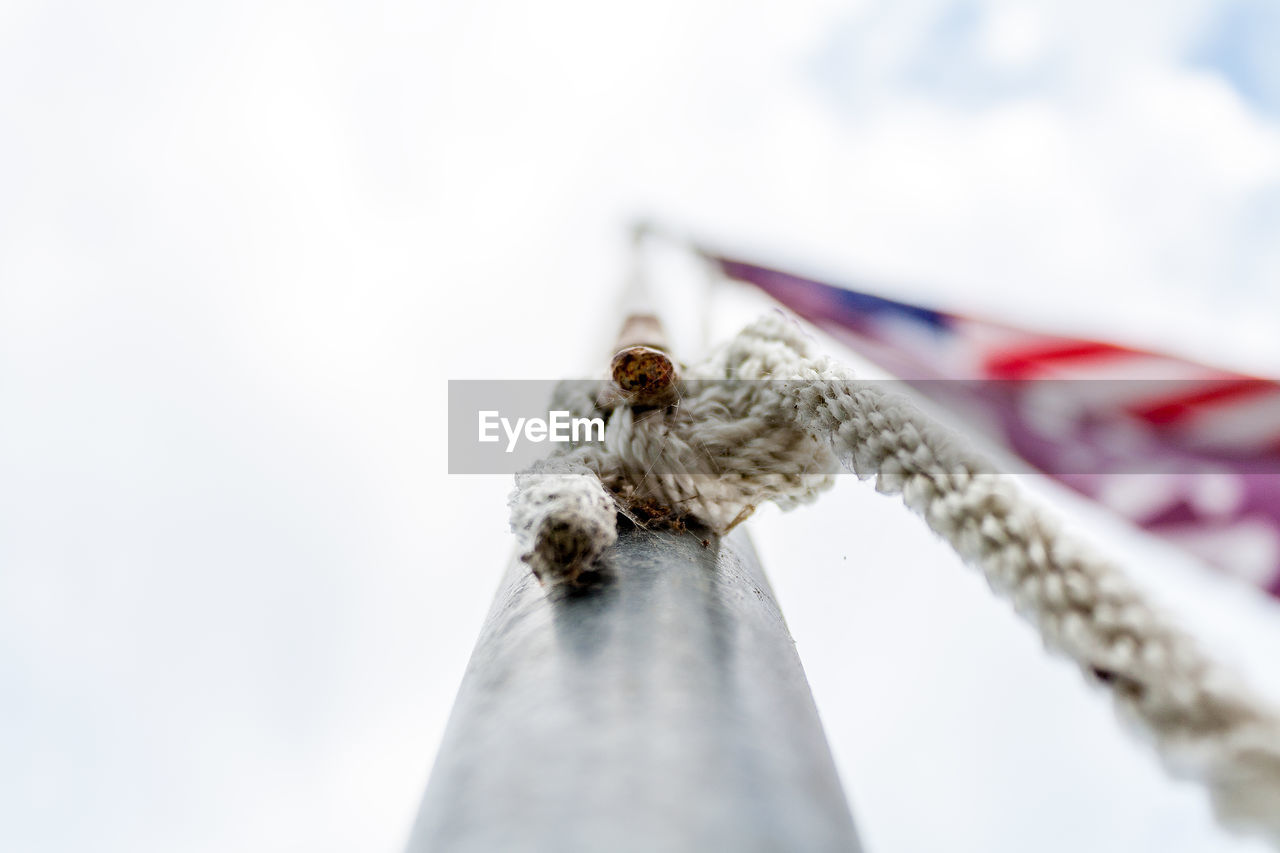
(735, 440)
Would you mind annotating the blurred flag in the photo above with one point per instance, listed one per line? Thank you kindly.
(1188, 452)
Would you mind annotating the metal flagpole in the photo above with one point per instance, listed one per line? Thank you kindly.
(664, 709)
(661, 708)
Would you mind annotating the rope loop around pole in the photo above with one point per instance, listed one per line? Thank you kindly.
(762, 419)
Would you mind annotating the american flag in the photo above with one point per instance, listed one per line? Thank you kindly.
(1188, 452)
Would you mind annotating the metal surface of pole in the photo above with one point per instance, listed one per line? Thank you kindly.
(663, 709)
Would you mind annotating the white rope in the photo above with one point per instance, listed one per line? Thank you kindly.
(734, 441)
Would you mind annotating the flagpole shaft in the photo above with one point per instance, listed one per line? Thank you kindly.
(665, 709)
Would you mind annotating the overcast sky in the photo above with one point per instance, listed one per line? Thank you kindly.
(244, 245)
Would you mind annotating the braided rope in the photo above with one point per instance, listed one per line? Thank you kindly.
(1203, 724)
(734, 442)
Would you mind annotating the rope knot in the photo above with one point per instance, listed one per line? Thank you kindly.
(727, 442)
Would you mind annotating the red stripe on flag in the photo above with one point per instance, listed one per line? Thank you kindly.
(1182, 406)
(1018, 364)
